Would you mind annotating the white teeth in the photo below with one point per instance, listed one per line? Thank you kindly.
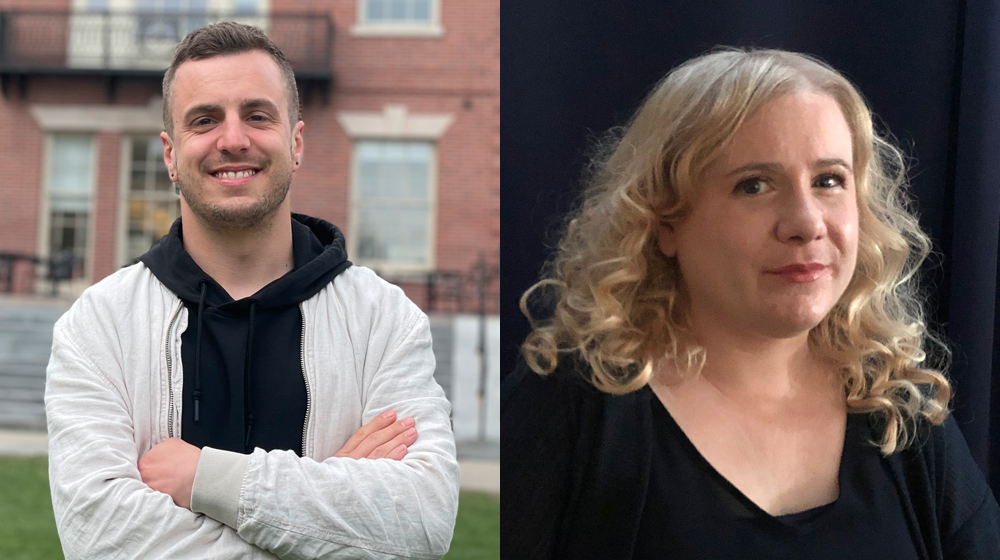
(235, 175)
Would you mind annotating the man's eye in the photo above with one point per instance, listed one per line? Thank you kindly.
(753, 185)
(829, 181)
(258, 118)
(203, 121)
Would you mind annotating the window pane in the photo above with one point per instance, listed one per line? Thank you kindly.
(392, 205)
(71, 187)
(376, 10)
(72, 166)
(397, 10)
(397, 235)
(68, 236)
(422, 10)
(151, 209)
(246, 7)
(138, 152)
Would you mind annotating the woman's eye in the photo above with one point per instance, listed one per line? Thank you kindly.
(753, 185)
(829, 181)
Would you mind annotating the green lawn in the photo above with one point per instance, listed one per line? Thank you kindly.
(28, 530)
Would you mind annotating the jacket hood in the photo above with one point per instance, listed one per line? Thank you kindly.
(319, 255)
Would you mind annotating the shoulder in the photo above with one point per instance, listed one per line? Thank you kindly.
(564, 406)
(369, 311)
(128, 293)
(564, 388)
(939, 466)
(359, 289)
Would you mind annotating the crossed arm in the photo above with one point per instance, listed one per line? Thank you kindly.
(170, 466)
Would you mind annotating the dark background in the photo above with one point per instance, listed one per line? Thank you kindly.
(929, 69)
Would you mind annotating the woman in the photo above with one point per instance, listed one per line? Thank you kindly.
(735, 364)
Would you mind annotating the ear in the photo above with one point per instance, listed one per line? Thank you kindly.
(667, 238)
(297, 145)
(168, 156)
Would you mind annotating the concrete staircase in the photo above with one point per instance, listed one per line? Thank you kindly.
(25, 343)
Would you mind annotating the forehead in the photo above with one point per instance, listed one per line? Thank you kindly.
(227, 80)
(803, 124)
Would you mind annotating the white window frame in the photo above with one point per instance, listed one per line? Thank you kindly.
(77, 285)
(124, 120)
(364, 28)
(124, 190)
(394, 124)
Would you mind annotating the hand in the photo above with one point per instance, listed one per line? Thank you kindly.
(381, 438)
(169, 467)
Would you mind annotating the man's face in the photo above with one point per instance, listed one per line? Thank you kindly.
(234, 149)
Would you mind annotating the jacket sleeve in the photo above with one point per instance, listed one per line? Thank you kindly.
(102, 508)
(540, 419)
(298, 507)
(967, 509)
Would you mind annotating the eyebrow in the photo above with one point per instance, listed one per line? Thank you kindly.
(245, 104)
(777, 167)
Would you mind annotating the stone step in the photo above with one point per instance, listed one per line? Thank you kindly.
(22, 370)
(21, 395)
(22, 407)
(20, 420)
(33, 382)
(25, 351)
(31, 313)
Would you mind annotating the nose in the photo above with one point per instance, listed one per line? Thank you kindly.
(801, 216)
(232, 138)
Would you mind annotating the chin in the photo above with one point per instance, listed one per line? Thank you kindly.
(791, 324)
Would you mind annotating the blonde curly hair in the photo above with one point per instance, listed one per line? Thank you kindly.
(620, 304)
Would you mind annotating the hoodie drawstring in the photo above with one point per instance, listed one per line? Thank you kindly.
(246, 379)
(197, 354)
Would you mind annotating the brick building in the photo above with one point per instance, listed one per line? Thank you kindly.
(401, 100)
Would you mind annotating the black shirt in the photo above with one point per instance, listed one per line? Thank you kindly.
(693, 512)
(581, 482)
(241, 360)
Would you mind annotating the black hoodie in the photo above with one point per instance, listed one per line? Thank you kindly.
(243, 379)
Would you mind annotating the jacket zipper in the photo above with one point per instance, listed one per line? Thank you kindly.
(170, 380)
(302, 361)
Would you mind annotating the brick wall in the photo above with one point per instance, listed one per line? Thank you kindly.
(457, 73)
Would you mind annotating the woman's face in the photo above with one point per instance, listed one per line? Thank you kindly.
(772, 240)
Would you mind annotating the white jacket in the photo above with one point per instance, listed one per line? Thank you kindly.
(113, 391)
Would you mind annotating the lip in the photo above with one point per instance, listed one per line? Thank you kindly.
(800, 273)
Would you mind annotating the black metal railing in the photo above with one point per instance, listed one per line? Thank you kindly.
(476, 290)
(62, 42)
(22, 272)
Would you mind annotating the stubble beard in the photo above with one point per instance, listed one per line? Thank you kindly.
(257, 215)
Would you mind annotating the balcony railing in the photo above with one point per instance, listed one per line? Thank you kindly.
(141, 44)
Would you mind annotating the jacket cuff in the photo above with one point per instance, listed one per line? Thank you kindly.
(217, 484)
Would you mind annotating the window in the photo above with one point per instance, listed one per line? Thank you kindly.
(392, 215)
(71, 191)
(398, 11)
(169, 20)
(399, 17)
(151, 205)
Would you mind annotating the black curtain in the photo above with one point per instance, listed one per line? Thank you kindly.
(930, 69)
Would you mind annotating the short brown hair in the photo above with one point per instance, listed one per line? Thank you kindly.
(226, 38)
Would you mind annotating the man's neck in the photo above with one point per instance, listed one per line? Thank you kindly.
(241, 261)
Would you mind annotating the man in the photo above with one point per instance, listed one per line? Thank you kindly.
(244, 391)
